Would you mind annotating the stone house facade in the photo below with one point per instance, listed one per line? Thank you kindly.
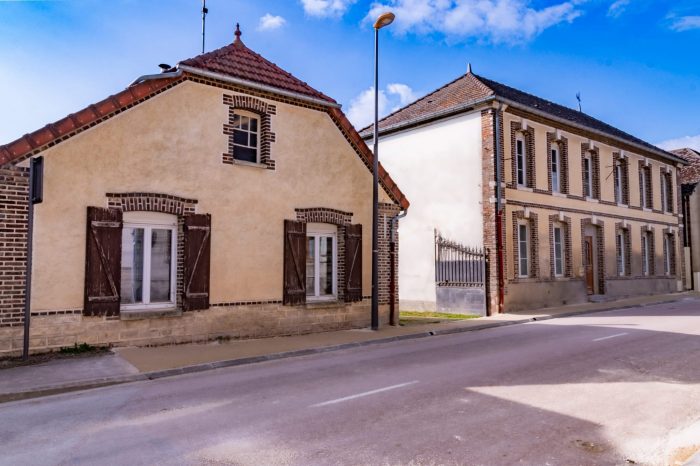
(568, 207)
(690, 208)
(222, 197)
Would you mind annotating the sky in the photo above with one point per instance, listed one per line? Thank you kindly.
(634, 62)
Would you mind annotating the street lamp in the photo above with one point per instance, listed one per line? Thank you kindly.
(383, 20)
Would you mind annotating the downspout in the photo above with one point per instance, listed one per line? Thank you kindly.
(393, 320)
(499, 211)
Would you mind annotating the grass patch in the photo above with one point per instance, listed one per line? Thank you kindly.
(437, 315)
(77, 349)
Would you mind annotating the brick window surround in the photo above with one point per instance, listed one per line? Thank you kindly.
(672, 253)
(624, 164)
(652, 252)
(645, 177)
(594, 154)
(625, 231)
(528, 136)
(166, 204)
(563, 144)
(533, 253)
(341, 219)
(600, 250)
(565, 224)
(665, 174)
(266, 136)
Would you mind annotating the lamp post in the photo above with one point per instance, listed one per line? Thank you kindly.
(383, 20)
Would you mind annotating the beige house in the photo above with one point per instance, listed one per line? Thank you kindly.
(567, 207)
(222, 197)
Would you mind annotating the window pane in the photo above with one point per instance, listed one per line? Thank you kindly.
(246, 154)
(236, 121)
(244, 122)
(254, 125)
(311, 266)
(240, 137)
(325, 256)
(161, 265)
(132, 265)
(522, 249)
(253, 140)
(558, 253)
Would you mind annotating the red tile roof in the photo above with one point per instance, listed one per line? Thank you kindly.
(471, 89)
(690, 174)
(238, 61)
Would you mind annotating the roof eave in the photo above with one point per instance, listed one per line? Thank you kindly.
(254, 85)
(527, 108)
(414, 122)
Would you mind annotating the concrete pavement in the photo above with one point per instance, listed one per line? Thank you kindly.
(132, 364)
(608, 388)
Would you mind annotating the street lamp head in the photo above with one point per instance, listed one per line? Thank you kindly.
(384, 19)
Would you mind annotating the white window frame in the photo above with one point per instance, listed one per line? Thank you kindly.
(587, 176)
(520, 161)
(646, 253)
(555, 168)
(149, 221)
(667, 259)
(523, 255)
(252, 116)
(560, 246)
(622, 256)
(665, 188)
(317, 231)
(619, 197)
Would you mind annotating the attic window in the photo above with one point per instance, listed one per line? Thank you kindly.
(246, 136)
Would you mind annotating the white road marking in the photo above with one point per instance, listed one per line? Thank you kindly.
(610, 336)
(360, 395)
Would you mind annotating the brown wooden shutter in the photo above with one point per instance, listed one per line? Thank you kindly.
(294, 262)
(197, 242)
(353, 263)
(103, 259)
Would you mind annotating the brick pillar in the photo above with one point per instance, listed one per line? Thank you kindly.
(488, 189)
(386, 213)
(14, 197)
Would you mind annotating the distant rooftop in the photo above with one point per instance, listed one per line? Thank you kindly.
(690, 174)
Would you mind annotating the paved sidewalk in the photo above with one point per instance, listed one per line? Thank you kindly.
(132, 363)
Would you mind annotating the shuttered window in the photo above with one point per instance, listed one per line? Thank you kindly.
(197, 244)
(353, 263)
(103, 261)
(295, 243)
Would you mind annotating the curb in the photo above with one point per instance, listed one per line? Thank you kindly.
(118, 380)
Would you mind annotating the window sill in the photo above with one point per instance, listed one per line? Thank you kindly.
(523, 188)
(324, 303)
(249, 164)
(145, 313)
(623, 205)
(592, 200)
(556, 194)
(644, 209)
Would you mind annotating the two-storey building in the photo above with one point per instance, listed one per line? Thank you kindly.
(567, 207)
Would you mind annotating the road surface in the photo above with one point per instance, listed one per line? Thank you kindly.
(606, 388)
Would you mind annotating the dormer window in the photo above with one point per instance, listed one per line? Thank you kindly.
(246, 127)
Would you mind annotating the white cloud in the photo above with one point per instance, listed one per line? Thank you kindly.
(361, 108)
(326, 8)
(685, 23)
(618, 7)
(692, 142)
(499, 21)
(270, 22)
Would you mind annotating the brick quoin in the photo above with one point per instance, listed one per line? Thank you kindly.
(488, 194)
(14, 198)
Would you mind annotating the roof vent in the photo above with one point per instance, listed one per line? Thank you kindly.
(164, 68)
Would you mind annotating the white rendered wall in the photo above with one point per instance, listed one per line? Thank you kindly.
(438, 168)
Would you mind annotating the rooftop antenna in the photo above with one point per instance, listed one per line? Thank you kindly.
(469, 67)
(204, 20)
(578, 97)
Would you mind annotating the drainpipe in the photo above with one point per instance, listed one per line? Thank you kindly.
(499, 210)
(393, 320)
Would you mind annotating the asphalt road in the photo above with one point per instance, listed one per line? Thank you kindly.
(608, 388)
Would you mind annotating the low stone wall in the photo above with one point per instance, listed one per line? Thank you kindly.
(457, 300)
(239, 322)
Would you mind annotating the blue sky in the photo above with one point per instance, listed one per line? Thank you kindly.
(635, 62)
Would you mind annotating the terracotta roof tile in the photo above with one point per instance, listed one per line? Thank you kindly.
(471, 88)
(238, 61)
(690, 174)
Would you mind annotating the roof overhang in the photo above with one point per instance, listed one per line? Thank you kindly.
(257, 86)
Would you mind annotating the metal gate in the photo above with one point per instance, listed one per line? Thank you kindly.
(460, 277)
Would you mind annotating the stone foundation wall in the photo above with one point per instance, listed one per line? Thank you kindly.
(51, 332)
